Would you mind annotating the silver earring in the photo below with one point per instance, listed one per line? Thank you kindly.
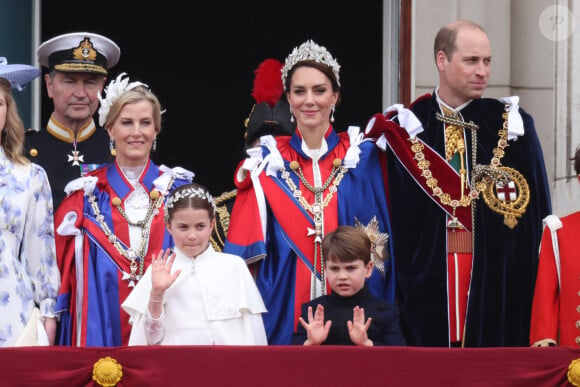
(291, 116)
(154, 144)
(332, 113)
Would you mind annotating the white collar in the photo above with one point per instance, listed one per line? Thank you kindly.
(454, 110)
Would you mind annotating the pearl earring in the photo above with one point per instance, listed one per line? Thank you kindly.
(332, 113)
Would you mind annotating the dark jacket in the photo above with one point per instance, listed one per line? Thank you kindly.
(384, 329)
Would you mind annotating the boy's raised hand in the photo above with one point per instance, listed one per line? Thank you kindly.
(358, 327)
(316, 328)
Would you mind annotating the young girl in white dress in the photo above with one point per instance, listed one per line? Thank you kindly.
(194, 295)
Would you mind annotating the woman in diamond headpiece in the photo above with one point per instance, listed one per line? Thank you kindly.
(294, 189)
(112, 220)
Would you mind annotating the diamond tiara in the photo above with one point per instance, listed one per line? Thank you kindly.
(189, 193)
(310, 51)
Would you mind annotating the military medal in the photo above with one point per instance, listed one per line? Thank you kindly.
(75, 155)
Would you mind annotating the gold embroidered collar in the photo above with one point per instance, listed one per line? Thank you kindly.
(63, 133)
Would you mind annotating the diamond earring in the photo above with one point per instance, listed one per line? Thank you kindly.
(112, 147)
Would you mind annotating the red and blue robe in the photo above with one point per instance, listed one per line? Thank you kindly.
(92, 269)
(271, 230)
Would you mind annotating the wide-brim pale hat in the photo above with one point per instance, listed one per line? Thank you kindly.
(19, 75)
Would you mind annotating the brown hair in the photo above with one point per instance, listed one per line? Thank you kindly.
(447, 36)
(325, 69)
(346, 244)
(191, 195)
(12, 138)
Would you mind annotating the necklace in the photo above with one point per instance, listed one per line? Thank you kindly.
(136, 257)
(154, 195)
(316, 209)
(478, 177)
(432, 182)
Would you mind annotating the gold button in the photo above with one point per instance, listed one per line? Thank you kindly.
(116, 201)
(577, 340)
(578, 309)
(33, 152)
(577, 324)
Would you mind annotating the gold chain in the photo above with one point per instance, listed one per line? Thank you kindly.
(136, 257)
(316, 208)
(432, 182)
(499, 150)
(337, 173)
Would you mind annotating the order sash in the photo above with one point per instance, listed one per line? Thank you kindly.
(295, 222)
(448, 179)
(293, 219)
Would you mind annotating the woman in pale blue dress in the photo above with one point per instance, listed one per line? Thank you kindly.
(29, 276)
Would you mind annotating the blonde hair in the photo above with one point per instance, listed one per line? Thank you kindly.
(137, 94)
(12, 138)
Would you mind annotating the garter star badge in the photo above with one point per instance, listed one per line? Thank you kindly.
(379, 251)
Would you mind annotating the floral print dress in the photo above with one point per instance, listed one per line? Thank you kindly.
(29, 274)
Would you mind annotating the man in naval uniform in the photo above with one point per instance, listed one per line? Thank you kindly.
(468, 190)
(72, 144)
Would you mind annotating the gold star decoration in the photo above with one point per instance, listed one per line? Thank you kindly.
(379, 251)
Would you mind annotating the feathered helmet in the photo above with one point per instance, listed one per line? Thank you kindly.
(271, 113)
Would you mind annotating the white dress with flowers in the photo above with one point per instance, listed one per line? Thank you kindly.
(29, 274)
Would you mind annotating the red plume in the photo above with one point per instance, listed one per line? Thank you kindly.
(268, 82)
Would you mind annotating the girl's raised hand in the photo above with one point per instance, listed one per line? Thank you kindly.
(161, 276)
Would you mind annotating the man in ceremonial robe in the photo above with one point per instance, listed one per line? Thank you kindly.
(467, 191)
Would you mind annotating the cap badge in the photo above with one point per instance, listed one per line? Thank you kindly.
(85, 51)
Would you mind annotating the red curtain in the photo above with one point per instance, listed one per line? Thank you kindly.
(291, 366)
